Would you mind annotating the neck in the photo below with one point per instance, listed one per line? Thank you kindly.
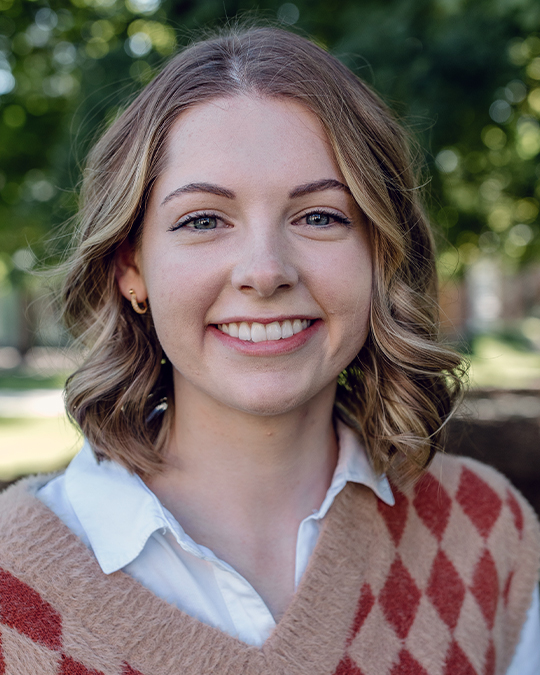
(241, 484)
(251, 464)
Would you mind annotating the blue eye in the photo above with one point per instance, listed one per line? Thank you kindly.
(318, 219)
(202, 223)
(324, 219)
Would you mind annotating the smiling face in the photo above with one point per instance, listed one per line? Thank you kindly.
(254, 257)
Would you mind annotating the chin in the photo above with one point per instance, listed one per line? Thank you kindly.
(269, 410)
(268, 404)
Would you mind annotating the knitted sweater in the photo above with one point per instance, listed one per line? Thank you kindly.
(439, 584)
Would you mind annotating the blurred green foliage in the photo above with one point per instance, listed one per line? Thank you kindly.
(464, 74)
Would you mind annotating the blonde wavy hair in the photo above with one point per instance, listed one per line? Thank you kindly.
(401, 388)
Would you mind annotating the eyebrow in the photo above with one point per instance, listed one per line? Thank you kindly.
(199, 187)
(300, 191)
(318, 186)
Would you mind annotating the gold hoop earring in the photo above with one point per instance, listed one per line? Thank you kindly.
(139, 308)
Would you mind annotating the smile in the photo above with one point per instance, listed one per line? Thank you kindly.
(259, 332)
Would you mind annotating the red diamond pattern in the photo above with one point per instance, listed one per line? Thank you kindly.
(399, 598)
(365, 603)
(407, 665)
(446, 590)
(457, 663)
(24, 609)
(71, 667)
(481, 503)
(432, 504)
(485, 587)
(347, 667)
(516, 512)
(128, 670)
(490, 660)
(395, 516)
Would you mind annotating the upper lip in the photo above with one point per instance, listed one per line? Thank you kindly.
(265, 320)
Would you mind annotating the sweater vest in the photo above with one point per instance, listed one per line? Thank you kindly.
(438, 584)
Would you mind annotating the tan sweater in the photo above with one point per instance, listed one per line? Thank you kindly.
(439, 584)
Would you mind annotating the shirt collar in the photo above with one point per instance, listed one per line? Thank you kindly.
(117, 511)
(107, 493)
(354, 466)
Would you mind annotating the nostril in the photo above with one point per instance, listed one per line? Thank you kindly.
(264, 275)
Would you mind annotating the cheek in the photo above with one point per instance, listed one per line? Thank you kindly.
(355, 315)
(181, 288)
(349, 306)
(346, 285)
(354, 325)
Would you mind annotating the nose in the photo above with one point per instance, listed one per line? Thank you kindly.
(264, 266)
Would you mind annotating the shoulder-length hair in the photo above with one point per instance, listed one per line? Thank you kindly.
(399, 390)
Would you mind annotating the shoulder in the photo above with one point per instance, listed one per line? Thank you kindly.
(486, 497)
(20, 507)
(491, 534)
(45, 574)
(478, 520)
(29, 531)
(29, 625)
(472, 544)
(464, 499)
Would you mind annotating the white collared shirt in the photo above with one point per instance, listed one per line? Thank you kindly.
(121, 520)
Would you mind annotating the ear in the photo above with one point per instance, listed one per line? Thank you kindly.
(128, 274)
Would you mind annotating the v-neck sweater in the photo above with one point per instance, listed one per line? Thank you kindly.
(127, 527)
(438, 584)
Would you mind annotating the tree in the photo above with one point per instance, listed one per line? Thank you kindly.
(464, 74)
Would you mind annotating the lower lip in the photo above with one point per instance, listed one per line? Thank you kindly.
(268, 347)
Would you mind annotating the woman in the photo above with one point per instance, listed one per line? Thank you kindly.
(254, 283)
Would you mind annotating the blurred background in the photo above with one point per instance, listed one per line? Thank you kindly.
(463, 75)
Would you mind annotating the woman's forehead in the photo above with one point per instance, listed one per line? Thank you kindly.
(248, 136)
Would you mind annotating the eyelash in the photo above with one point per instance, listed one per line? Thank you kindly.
(190, 219)
(342, 220)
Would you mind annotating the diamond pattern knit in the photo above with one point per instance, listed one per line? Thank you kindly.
(458, 593)
(439, 584)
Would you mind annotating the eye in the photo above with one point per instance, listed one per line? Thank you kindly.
(202, 223)
(323, 219)
(197, 221)
(320, 219)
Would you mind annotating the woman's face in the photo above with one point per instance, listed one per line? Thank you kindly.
(255, 258)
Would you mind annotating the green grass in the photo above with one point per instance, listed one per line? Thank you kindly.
(20, 381)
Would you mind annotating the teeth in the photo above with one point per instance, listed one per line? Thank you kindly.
(244, 331)
(297, 326)
(287, 329)
(258, 332)
(273, 331)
